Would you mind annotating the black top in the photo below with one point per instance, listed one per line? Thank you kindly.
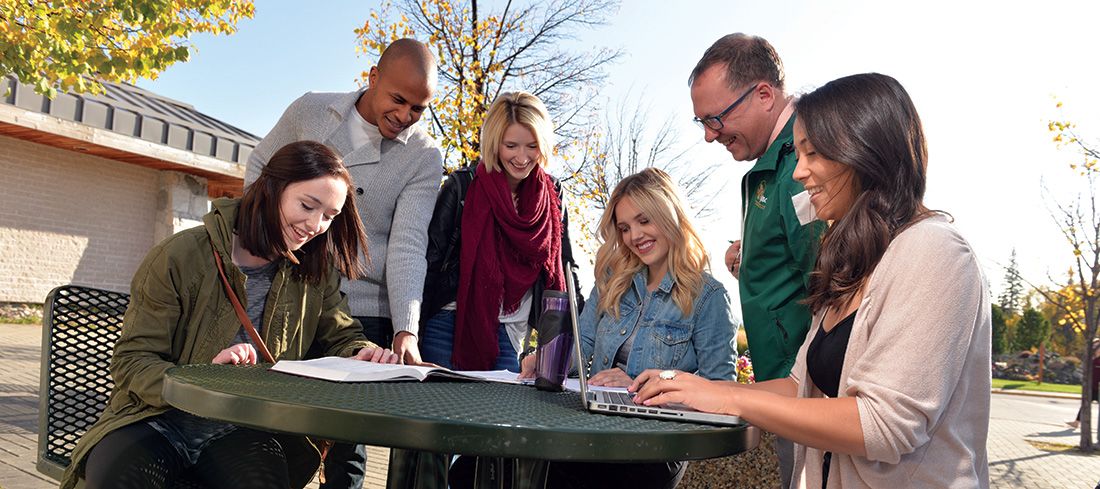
(825, 356)
(824, 361)
(444, 248)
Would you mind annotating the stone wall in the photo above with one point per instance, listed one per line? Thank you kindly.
(1025, 366)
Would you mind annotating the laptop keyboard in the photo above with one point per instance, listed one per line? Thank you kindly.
(619, 398)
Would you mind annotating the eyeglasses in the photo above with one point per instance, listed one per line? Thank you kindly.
(715, 121)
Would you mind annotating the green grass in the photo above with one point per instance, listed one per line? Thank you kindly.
(20, 320)
(1027, 385)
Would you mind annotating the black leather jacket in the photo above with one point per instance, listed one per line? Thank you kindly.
(445, 239)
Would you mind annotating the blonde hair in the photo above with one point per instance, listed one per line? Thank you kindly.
(515, 108)
(654, 193)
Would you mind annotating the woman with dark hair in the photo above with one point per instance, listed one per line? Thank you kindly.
(891, 387)
(281, 248)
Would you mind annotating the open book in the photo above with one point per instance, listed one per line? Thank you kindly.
(350, 370)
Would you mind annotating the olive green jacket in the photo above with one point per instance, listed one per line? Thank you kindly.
(179, 314)
(777, 256)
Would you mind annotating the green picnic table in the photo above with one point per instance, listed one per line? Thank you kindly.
(472, 418)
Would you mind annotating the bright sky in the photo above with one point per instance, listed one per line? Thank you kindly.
(983, 75)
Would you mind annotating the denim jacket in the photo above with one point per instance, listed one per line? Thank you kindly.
(704, 343)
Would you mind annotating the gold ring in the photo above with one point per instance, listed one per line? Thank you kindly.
(667, 374)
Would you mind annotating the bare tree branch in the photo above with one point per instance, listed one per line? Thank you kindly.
(485, 51)
(628, 140)
(1079, 223)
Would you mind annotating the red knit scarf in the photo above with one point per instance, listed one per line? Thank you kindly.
(504, 249)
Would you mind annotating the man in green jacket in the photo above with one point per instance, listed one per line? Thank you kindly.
(738, 98)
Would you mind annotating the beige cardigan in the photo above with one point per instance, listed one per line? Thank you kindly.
(918, 365)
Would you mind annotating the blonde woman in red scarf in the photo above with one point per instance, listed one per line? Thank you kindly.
(496, 241)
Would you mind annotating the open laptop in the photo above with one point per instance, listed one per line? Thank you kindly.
(621, 403)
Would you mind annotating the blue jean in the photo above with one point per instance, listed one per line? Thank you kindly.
(438, 339)
(436, 345)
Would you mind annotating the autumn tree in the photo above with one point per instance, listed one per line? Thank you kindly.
(1065, 338)
(1078, 217)
(72, 45)
(482, 52)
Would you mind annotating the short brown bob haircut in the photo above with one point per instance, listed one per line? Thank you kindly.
(259, 223)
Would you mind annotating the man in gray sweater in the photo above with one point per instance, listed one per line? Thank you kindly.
(397, 167)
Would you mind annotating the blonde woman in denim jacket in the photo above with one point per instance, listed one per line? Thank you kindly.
(663, 338)
(653, 306)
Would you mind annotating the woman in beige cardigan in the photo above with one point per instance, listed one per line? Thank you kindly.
(891, 387)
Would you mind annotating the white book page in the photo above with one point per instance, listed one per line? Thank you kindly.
(340, 369)
(502, 376)
(350, 370)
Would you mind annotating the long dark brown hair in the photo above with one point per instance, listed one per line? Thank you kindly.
(259, 223)
(869, 123)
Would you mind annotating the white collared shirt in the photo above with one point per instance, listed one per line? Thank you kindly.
(361, 132)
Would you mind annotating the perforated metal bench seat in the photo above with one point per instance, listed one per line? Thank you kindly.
(80, 327)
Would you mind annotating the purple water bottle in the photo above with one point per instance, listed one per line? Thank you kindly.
(555, 346)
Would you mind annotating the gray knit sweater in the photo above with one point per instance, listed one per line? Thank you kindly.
(396, 186)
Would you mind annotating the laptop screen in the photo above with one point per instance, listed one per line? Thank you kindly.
(578, 355)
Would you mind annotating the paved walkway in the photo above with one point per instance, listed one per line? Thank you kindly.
(20, 347)
(1015, 422)
(19, 354)
(1027, 437)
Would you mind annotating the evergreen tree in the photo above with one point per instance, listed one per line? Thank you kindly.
(1013, 288)
(1000, 331)
(1032, 330)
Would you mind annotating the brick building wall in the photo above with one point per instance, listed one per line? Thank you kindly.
(66, 217)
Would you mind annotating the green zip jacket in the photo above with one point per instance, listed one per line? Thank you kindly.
(777, 255)
(179, 314)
